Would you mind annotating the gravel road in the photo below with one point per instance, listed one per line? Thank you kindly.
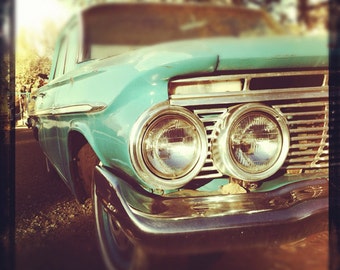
(53, 231)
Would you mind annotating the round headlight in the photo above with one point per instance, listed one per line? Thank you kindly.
(170, 148)
(253, 143)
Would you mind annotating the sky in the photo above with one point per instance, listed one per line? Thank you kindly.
(31, 14)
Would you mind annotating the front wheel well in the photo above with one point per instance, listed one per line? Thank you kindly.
(82, 163)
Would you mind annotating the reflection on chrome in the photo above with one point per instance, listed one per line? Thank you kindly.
(250, 142)
(256, 142)
(168, 147)
(219, 205)
(171, 147)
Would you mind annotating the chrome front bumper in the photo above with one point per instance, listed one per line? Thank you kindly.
(218, 222)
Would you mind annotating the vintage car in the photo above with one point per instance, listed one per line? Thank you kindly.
(193, 128)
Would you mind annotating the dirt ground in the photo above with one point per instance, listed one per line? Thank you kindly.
(53, 231)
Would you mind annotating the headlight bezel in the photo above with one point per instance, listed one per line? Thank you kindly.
(143, 168)
(224, 159)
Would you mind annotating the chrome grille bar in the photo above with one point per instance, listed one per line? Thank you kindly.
(309, 136)
(304, 108)
(247, 96)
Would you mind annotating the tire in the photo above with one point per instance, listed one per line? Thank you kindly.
(86, 163)
(117, 250)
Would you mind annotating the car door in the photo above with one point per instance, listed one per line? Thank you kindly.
(45, 107)
(63, 102)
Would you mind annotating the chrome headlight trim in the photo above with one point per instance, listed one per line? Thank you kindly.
(254, 155)
(148, 162)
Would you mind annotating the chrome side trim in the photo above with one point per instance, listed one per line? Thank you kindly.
(79, 108)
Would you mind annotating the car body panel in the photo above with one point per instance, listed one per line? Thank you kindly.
(105, 103)
(145, 73)
(64, 98)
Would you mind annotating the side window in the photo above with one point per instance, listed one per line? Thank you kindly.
(72, 49)
(68, 52)
(61, 58)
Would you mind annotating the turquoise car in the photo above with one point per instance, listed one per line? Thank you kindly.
(193, 128)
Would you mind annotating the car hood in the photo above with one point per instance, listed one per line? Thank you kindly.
(217, 54)
(129, 84)
(146, 71)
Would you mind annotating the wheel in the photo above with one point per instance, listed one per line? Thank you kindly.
(117, 250)
(86, 163)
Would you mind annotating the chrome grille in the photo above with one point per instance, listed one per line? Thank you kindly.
(308, 125)
(304, 106)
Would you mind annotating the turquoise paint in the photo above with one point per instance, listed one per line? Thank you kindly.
(274, 52)
(131, 83)
(214, 185)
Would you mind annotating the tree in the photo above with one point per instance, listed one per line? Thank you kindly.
(83, 3)
(33, 58)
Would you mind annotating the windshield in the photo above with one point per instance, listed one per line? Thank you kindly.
(113, 29)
